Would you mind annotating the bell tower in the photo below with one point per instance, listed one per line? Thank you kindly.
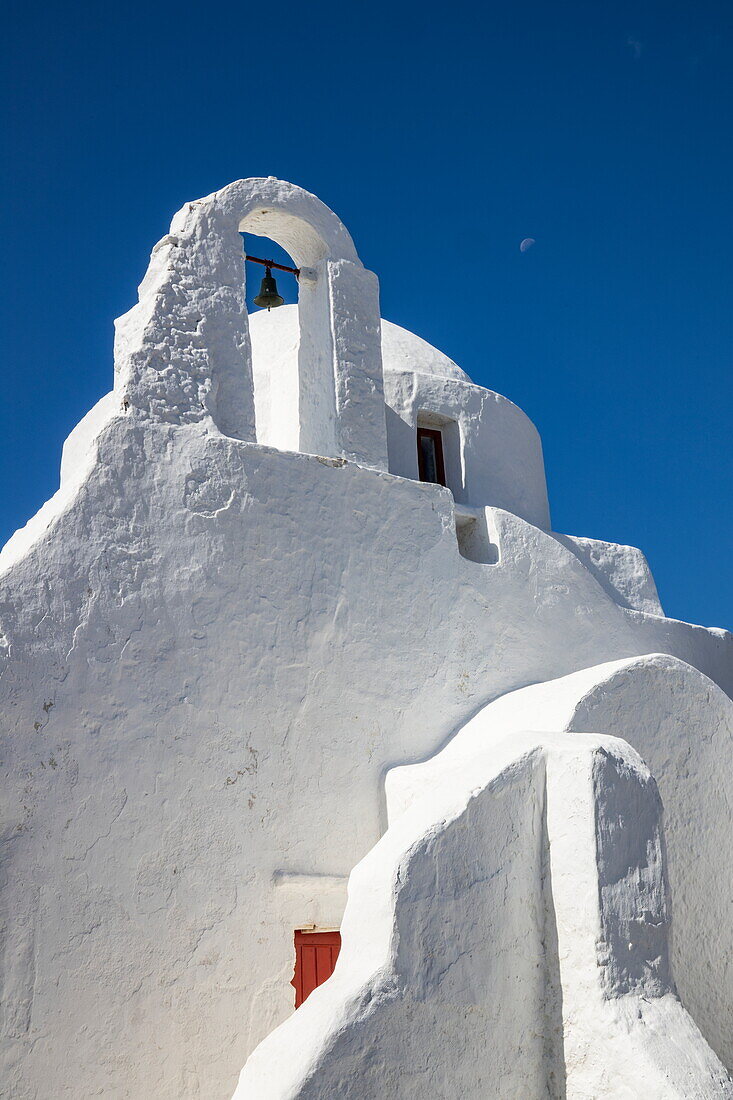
(184, 352)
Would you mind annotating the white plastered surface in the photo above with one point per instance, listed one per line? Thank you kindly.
(507, 938)
(213, 651)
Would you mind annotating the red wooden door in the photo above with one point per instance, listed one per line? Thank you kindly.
(315, 958)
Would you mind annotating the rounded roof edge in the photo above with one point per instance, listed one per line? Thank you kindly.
(404, 350)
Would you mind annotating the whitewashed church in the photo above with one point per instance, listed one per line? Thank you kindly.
(330, 770)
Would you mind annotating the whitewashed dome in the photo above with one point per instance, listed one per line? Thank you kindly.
(276, 333)
(403, 350)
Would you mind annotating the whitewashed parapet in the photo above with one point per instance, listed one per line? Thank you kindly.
(622, 571)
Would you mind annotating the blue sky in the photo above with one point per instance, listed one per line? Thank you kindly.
(442, 135)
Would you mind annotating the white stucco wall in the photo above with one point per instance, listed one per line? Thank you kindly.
(682, 724)
(212, 652)
(439, 978)
(507, 937)
(212, 655)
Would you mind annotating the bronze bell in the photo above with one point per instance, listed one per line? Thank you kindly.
(268, 295)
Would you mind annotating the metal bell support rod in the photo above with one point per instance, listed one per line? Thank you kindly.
(271, 263)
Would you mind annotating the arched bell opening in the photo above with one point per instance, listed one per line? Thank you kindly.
(292, 368)
(274, 346)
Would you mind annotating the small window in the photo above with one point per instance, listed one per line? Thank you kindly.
(315, 958)
(430, 455)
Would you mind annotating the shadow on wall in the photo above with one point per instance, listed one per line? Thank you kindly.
(474, 540)
(554, 1054)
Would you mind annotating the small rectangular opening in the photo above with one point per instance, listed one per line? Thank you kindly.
(430, 461)
(474, 541)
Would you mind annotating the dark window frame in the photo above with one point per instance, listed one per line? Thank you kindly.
(436, 436)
